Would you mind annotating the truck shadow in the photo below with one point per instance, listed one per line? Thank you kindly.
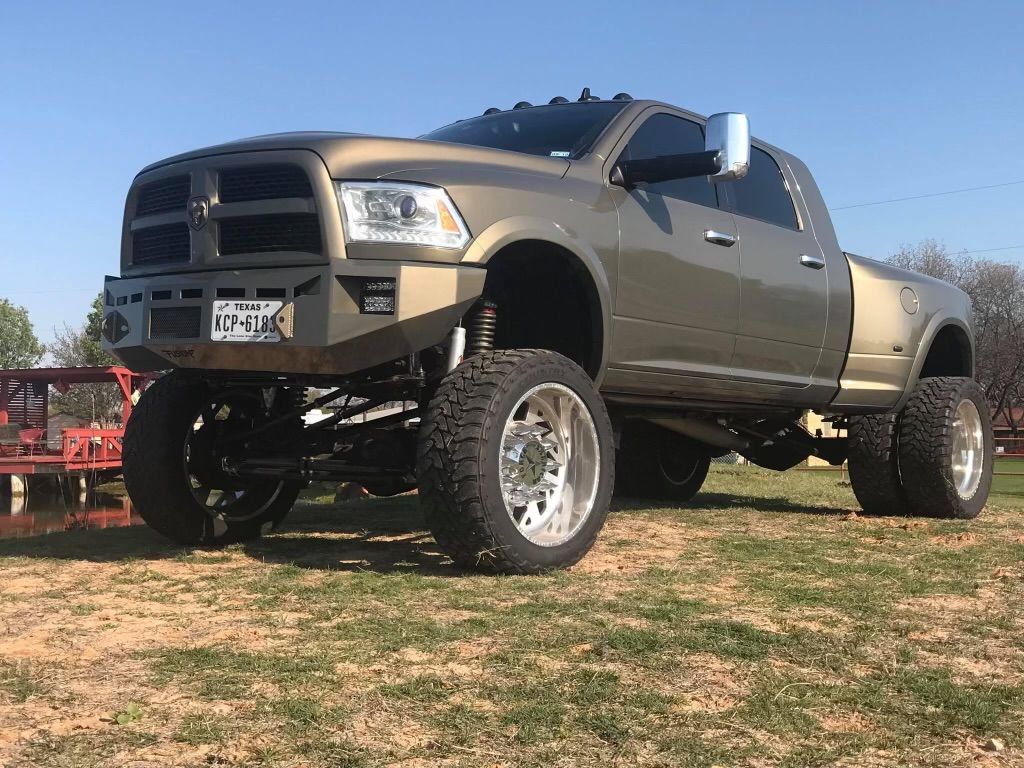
(721, 501)
(378, 535)
(373, 535)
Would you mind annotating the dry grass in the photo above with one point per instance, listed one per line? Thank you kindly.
(763, 626)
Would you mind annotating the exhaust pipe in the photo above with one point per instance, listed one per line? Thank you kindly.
(704, 431)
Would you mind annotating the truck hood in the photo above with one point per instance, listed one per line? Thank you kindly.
(357, 156)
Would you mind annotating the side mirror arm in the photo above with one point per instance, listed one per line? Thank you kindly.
(629, 173)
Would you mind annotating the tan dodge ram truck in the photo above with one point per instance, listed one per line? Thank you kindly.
(548, 293)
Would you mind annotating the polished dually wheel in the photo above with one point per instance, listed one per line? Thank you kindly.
(550, 464)
(944, 448)
(968, 450)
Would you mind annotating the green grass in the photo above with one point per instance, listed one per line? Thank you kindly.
(1011, 481)
(762, 625)
(19, 681)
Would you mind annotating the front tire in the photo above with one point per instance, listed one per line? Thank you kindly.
(516, 462)
(170, 467)
(946, 448)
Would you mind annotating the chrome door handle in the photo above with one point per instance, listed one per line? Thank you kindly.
(719, 238)
(813, 260)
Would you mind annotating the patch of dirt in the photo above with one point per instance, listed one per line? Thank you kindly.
(849, 722)
(383, 727)
(25, 585)
(657, 543)
(706, 684)
(957, 540)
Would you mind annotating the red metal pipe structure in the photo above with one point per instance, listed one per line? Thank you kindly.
(24, 394)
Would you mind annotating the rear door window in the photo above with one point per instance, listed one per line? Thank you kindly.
(762, 193)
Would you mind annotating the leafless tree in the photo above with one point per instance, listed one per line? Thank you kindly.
(71, 348)
(997, 295)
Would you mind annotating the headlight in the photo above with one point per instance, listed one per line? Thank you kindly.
(397, 212)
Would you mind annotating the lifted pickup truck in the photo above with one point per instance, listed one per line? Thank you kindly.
(552, 292)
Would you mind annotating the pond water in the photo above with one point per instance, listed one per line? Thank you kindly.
(46, 510)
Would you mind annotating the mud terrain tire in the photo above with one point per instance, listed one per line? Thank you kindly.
(933, 443)
(874, 464)
(462, 457)
(158, 482)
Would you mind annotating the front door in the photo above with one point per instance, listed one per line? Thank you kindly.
(677, 294)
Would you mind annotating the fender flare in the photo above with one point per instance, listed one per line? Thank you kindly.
(519, 228)
(931, 331)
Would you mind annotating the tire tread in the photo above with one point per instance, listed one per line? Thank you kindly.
(448, 457)
(926, 442)
(874, 464)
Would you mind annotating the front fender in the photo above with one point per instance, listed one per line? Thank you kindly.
(516, 229)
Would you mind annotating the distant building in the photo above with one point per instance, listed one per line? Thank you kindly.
(1005, 421)
(60, 421)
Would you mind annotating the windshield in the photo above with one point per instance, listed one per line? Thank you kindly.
(557, 130)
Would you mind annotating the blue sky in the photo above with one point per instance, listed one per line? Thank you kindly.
(881, 99)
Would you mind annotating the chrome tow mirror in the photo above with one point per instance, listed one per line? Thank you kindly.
(728, 134)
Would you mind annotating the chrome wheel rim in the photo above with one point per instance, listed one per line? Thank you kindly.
(224, 498)
(968, 454)
(549, 464)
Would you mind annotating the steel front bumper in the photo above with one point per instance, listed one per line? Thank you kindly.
(329, 334)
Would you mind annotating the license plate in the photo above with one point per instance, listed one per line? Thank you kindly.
(245, 321)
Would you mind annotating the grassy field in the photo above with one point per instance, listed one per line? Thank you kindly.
(766, 625)
(1005, 483)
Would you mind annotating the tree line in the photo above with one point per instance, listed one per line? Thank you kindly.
(997, 298)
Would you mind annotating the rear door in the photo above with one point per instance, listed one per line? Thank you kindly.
(677, 294)
(783, 279)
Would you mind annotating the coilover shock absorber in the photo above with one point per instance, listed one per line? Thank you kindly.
(482, 328)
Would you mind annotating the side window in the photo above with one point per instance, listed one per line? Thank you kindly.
(665, 134)
(762, 193)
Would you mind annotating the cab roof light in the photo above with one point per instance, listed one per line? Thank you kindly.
(585, 96)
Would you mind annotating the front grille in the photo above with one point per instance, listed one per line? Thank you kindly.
(164, 195)
(165, 244)
(175, 322)
(263, 182)
(270, 234)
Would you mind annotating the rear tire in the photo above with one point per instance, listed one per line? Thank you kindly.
(516, 462)
(874, 464)
(654, 463)
(161, 481)
(946, 448)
